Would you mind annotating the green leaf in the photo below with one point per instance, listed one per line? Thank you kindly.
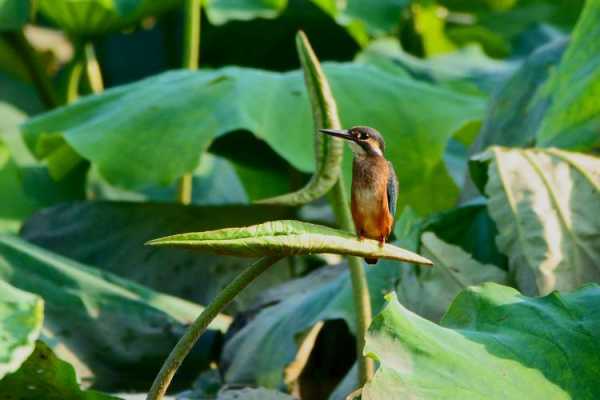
(21, 318)
(429, 293)
(516, 109)
(328, 150)
(95, 17)
(116, 232)
(253, 394)
(14, 14)
(493, 343)
(27, 185)
(467, 69)
(286, 238)
(215, 182)
(546, 205)
(222, 11)
(572, 120)
(45, 376)
(471, 228)
(294, 309)
(119, 331)
(196, 107)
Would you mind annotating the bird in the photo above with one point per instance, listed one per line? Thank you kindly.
(374, 184)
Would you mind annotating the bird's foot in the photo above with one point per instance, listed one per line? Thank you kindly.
(382, 241)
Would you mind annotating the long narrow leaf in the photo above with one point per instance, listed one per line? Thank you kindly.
(328, 150)
(285, 238)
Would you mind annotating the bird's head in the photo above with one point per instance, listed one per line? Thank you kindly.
(364, 141)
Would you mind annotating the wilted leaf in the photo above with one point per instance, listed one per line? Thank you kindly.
(14, 14)
(116, 232)
(546, 205)
(493, 343)
(21, 318)
(195, 107)
(286, 238)
(573, 117)
(94, 17)
(45, 376)
(119, 330)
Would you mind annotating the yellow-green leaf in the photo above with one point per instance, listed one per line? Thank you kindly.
(286, 238)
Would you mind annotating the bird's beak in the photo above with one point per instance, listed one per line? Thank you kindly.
(341, 133)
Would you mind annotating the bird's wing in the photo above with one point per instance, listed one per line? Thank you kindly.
(392, 189)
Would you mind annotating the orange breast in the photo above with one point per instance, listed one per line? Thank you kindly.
(370, 210)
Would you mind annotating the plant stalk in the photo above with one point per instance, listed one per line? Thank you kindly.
(191, 50)
(36, 70)
(193, 333)
(94, 74)
(74, 75)
(360, 287)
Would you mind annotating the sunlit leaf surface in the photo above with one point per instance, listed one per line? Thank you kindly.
(573, 118)
(155, 130)
(493, 343)
(116, 232)
(296, 308)
(14, 13)
(119, 330)
(21, 317)
(45, 376)
(286, 238)
(92, 17)
(546, 205)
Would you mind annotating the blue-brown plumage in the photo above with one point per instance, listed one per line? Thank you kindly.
(374, 184)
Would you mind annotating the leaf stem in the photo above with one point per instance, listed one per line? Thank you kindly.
(191, 54)
(74, 74)
(193, 333)
(94, 74)
(40, 78)
(360, 287)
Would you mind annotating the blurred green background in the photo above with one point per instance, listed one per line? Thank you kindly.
(489, 111)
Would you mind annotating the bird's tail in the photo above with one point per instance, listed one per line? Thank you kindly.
(371, 260)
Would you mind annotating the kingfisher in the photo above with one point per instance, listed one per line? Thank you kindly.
(374, 184)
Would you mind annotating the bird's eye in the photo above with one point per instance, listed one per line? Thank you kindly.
(363, 136)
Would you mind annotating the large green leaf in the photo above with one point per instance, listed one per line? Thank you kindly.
(14, 13)
(214, 182)
(297, 308)
(573, 117)
(471, 228)
(517, 108)
(21, 318)
(546, 205)
(93, 17)
(502, 24)
(45, 376)
(26, 186)
(429, 293)
(467, 69)
(116, 232)
(493, 343)
(189, 109)
(286, 238)
(359, 18)
(120, 331)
